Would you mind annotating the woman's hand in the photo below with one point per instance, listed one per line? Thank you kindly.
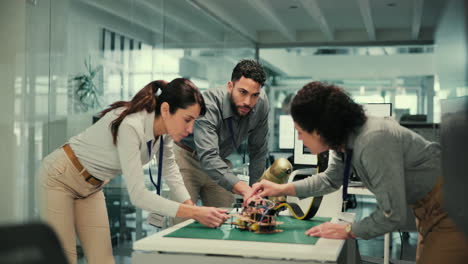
(210, 216)
(255, 199)
(268, 188)
(329, 230)
(264, 188)
(189, 202)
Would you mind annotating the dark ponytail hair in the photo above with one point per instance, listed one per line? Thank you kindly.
(179, 93)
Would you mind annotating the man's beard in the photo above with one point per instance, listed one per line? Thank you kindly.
(235, 108)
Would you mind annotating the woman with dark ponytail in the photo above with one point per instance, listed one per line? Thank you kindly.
(128, 135)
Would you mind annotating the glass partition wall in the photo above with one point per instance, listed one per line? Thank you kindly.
(401, 75)
(81, 55)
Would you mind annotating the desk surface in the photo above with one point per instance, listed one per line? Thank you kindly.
(292, 231)
(323, 250)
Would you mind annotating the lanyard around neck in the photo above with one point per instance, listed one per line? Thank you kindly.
(231, 130)
(347, 168)
(161, 150)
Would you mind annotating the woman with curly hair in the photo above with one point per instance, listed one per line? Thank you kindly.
(399, 166)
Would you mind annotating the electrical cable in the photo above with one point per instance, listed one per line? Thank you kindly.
(297, 212)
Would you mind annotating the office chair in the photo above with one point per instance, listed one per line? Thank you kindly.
(32, 243)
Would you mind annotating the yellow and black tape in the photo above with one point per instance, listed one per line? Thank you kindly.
(297, 212)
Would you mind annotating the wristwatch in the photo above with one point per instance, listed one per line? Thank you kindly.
(348, 230)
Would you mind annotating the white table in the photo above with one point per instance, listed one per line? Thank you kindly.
(185, 250)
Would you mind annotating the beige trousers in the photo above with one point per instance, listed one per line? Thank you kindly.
(73, 207)
(439, 241)
(198, 183)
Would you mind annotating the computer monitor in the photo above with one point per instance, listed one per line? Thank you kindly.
(302, 154)
(378, 109)
(286, 132)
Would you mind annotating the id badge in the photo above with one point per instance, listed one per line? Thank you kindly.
(156, 220)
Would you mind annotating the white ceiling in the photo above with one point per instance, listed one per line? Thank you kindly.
(310, 22)
(281, 23)
(303, 27)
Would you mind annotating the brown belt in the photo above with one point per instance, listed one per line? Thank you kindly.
(88, 177)
(187, 148)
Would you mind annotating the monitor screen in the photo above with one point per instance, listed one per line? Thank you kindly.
(286, 132)
(378, 109)
(302, 154)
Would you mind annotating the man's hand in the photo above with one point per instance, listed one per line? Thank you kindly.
(329, 230)
(243, 189)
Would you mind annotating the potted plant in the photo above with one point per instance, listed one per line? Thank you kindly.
(88, 87)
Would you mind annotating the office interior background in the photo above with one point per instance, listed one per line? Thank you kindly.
(412, 54)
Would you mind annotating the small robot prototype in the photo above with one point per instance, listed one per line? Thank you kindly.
(258, 218)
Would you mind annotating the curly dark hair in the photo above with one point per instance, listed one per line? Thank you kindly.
(249, 69)
(328, 110)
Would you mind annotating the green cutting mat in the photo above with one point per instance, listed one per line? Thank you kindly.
(293, 231)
